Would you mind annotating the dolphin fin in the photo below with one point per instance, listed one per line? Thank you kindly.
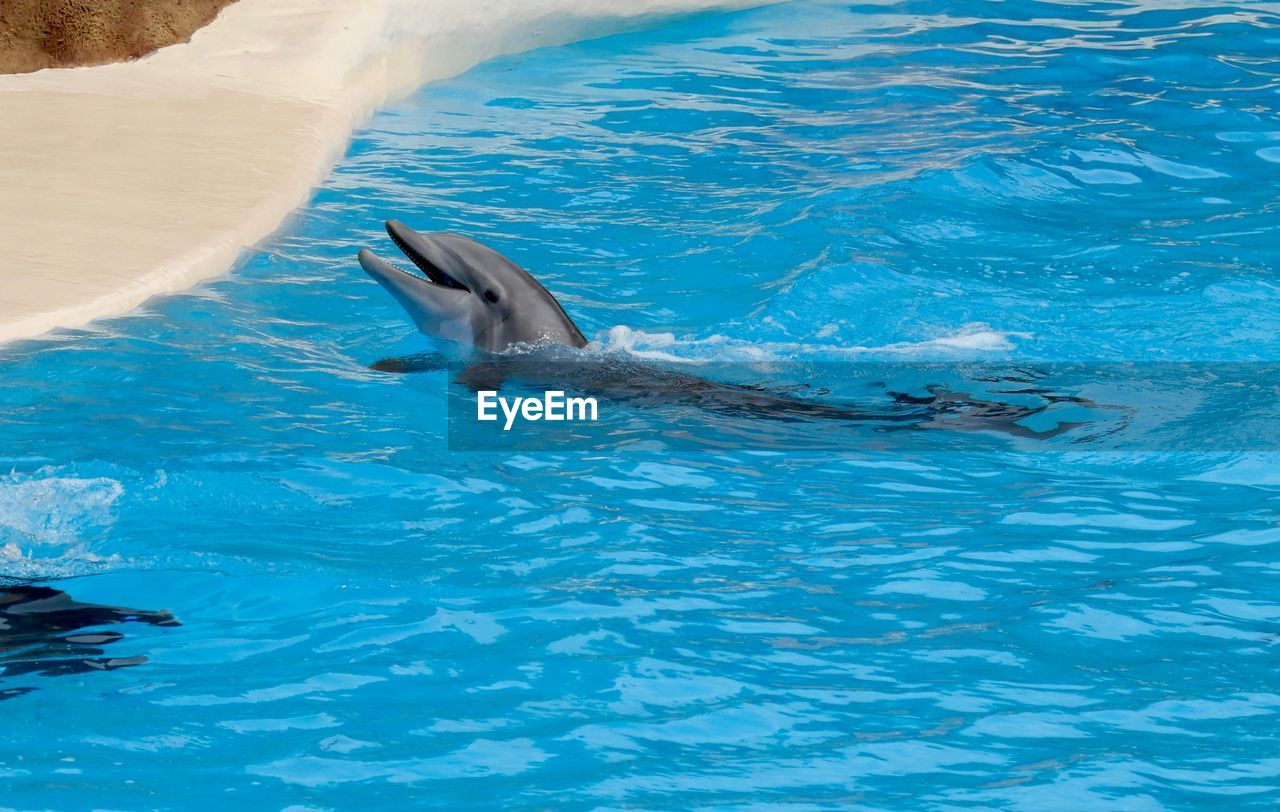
(418, 362)
(487, 376)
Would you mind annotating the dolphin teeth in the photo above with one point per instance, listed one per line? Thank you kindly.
(375, 264)
(418, 276)
(433, 273)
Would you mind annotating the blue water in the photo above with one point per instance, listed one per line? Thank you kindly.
(372, 620)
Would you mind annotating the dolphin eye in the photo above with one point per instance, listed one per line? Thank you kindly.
(490, 297)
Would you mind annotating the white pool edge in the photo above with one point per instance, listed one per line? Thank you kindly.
(121, 182)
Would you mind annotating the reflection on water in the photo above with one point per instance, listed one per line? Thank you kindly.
(46, 632)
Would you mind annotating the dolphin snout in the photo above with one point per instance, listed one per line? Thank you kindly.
(377, 267)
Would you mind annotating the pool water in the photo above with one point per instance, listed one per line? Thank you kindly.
(369, 618)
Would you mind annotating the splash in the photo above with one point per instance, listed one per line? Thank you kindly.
(962, 342)
(46, 522)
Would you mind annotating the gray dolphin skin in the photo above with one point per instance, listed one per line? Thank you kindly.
(470, 293)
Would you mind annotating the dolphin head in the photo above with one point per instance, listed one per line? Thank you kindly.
(469, 293)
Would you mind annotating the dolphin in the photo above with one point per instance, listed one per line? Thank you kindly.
(46, 632)
(469, 293)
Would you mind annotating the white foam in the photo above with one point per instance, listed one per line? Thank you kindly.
(47, 522)
(964, 341)
(140, 178)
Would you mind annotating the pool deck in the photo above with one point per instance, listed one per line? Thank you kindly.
(125, 181)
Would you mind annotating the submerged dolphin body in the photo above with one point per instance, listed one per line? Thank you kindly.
(46, 632)
(473, 295)
(470, 293)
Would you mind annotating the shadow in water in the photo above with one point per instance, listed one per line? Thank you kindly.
(45, 632)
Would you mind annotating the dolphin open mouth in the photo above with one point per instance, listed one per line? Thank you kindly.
(426, 254)
(463, 291)
(438, 300)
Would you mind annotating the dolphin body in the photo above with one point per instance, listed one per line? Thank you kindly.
(46, 632)
(471, 294)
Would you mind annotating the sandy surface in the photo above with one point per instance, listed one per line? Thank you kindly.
(37, 34)
(123, 181)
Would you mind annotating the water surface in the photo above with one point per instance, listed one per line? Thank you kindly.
(369, 618)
